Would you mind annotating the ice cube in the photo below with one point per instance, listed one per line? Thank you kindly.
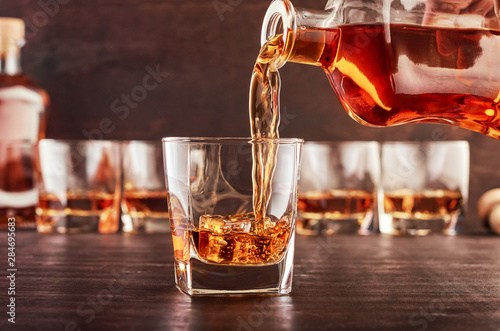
(218, 224)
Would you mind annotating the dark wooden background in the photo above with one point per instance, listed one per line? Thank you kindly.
(87, 54)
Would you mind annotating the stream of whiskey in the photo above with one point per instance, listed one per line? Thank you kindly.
(252, 238)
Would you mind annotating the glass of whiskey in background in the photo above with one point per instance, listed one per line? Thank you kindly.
(18, 184)
(80, 186)
(338, 188)
(425, 187)
(144, 200)
(225, 241)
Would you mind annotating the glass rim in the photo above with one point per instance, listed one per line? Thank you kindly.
(142, 141)
(338, 142)
(230, 140)
(78, 141)
(424, 142)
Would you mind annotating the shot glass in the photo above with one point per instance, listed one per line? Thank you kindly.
(232, 220)
(338, 188)
(144, 201)
(80, 186)
(425, 187)
(18, 185)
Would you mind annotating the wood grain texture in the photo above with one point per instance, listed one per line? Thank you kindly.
(341, 282)
(87, 54)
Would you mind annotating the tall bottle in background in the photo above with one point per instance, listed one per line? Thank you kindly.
(23, 113)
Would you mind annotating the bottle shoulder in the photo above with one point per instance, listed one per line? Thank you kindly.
(11, 80)
(23, 81)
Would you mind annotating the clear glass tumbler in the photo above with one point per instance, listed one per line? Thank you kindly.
(425, 187)
(144, 201)
(80, 186)
(338, 188)
(221, 246)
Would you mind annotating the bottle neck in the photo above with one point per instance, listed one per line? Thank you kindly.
(295, 26)
(10, 57)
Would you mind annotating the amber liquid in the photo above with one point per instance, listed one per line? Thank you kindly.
(425, 205)
(146, 203)
(423, 74)
(335, 204)
(335, 211)
(231, 239)
(81, 204)
(88, 204)
(264, 123)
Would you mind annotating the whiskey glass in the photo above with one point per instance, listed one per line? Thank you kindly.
(144, 200)
(338, 188)
(425, 187)
(80, 186)
(221, 245)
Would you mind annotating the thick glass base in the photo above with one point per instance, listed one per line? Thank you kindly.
(196, 277)
(417, 226)
(68, 224)
(107, 222)
(325, 226)
(145, 224)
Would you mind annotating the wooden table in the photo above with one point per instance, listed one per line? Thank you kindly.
(126, 282)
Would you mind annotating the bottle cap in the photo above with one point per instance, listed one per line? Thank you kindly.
(12, 28)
